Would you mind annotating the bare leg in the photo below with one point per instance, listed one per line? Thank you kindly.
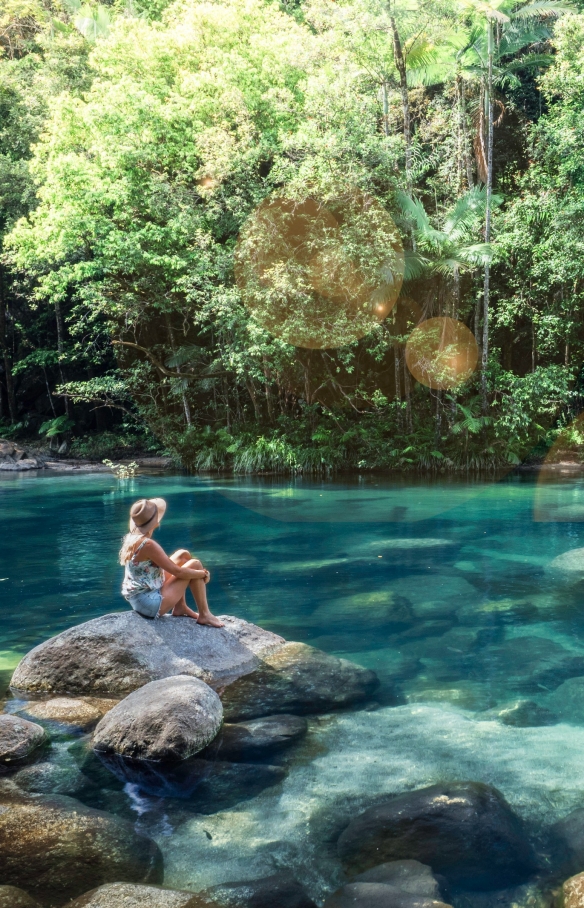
(173, 598)
(181, 607)
(199, 590)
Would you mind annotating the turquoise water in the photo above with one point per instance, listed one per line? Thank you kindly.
(445, 588)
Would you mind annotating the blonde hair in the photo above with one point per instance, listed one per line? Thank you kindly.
(129, 546)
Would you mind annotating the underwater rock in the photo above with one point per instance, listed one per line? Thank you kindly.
(59, 849)
(567, 701)
(501, 611)
(573, 892)
(127, 895)
(526, 664)
(118, 653)
(377, 895)
(19, 739)
(376, 609)
(567, 567)
(172, 719)
(256, 738)
(522, 714)
(408, 876)
(210, 785)
(91, 767)
(80, 713)
(11, 897)
(568, 837)
(464, 830)
(50, 778)
(435, 596)
(298, 679)
(278, 891)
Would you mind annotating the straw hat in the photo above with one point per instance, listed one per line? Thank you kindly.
(146, 514)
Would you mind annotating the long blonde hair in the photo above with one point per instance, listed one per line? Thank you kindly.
(129, 545)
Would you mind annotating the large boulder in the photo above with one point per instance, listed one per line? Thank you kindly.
(116, 654)
(11, 897)
(171, 719)
(297, 678)
(257, 738)
(464, 830)
(526, 664)
(83, 713)
(128, 895)
(19, 739)
(408, 876)
(278, 891)
(567, 837)
(572, 895)
(57, 848)
(52, 778)
(378, 895)
(567, 568)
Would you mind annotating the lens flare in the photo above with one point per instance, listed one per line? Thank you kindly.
(441, 353)
(319, 275)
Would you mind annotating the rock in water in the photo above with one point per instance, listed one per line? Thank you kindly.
(58, 848)
(568, 837)
(116, 654)
(407, 876)
(464, 830)
(567, 701)
(297, 678)
(19, 739)
(378, 895)
(127, 895)
(522, 714)
(257, 738)
(11, 897)
(573, 892)
(278, 891)
(83, 714)
(567, 568)
(169, 720)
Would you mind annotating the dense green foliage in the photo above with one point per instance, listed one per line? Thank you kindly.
(137, 290)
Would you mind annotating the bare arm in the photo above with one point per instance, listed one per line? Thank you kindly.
(151, 551)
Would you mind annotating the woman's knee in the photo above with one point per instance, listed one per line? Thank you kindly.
(194, 564)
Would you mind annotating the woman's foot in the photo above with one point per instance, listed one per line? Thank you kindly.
(185, 612)
(210, 620)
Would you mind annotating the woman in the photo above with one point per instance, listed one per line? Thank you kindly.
(153, 584)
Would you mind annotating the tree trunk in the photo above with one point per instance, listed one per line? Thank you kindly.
(185, 403)
(6, 356)
(400, 64)
(486, 291)
(60, 347)
(385, 90)
(465, 142)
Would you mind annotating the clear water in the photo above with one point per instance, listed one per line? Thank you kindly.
(323, 563)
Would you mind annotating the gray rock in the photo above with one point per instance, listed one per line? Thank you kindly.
(59, 849)
(567, 701)
(278, 891)
(408, 876)
(73, 713)
(172, 719)
(377, 895)
(567, 568)
(128, 895)
(573, 892)
(19, 739)
(567, 837)
(526, 664)
(297, 678)
(522, 714)
(256, 738)
(209, 785)
(116, 654)
(463, 830)
(11, 897)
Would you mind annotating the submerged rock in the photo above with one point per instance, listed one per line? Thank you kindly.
(377, 895)
(51, 778)
(278, 891)
(298, 679)
(408, 876)
(116, 654)
(19, 739)
(522, 714)
(567, 567)
(567, 701)
(80, 713)
(257, 738)
(168, 720)
(526, 664)
(464, 830)
(573, 892)
(127, 895)
(11, 897)
(58, 848)
(210, 785)
(568, 837)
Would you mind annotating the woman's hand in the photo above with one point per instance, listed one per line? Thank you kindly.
(207, 576)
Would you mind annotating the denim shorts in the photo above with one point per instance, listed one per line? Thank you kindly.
(147, 604)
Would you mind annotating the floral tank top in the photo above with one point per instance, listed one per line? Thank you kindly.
(141, 576)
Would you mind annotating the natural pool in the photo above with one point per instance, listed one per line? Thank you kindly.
(445, 588)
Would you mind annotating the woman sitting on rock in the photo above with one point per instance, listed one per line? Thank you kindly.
(153, 584)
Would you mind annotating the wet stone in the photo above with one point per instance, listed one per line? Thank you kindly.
(567, 568)
(165, 720)
(567, 701)
(463, 830)
(280, 890)
(377, 895)
(522, 714)
(127, 895)
(527, 664)
(79, 713)
(567, 835)
(257, 738)
(573, 892)
(12, 897)
(19, 740)
(52, 778)
(58, 849)
(297, 679)
(408, 876)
